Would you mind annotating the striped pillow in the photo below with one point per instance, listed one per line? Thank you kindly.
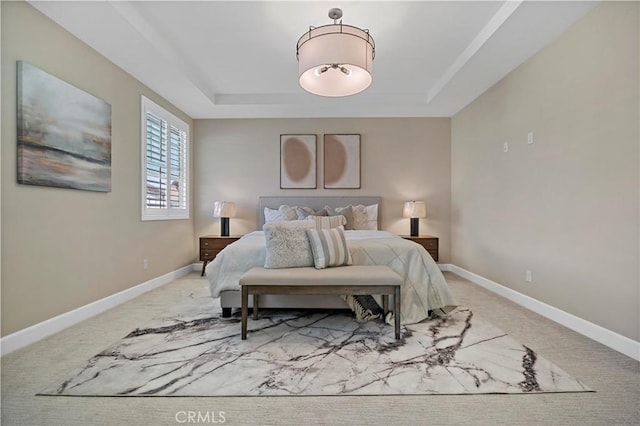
(326, 222)
(329, 247)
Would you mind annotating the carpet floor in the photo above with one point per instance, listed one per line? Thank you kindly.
(191, 351)
(614, 376)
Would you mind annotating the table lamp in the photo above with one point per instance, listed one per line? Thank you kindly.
(414, 210)
(224, 210)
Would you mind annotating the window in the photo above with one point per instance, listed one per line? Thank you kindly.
(165, 164)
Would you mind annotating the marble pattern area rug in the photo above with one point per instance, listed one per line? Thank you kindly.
(191, 351)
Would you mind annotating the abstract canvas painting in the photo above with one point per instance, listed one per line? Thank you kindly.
(64, 133)
(298, 161)
(342, 161)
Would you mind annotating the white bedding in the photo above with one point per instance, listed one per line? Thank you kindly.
(424, 287)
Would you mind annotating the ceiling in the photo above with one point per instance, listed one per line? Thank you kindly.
(236, 59)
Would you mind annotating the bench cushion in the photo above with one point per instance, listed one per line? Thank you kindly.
(351, 275)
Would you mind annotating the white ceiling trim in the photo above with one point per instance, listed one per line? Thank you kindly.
(163, 46)
(492, 26)
(302, 99)
(426, 70)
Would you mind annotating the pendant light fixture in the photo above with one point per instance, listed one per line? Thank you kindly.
(336, 59)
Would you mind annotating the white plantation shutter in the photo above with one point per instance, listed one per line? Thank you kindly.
(165, 147)
(177, 166)
(156, 166)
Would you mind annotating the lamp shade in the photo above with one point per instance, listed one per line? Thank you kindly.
(335, 60)
(414, 209)
(224, 209)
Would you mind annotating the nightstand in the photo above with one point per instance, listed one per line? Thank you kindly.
(429, 242)
(211, 245)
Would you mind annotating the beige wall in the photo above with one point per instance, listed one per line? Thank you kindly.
(62, 248)
(401, 159)
(565, 207)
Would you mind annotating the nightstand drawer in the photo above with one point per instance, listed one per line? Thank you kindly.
(208, 254)
(430, 243)
(215, 243)
(433, 253)
(211, 245)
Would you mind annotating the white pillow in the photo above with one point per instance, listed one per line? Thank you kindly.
(287, 244)
(271, 215)
(365, 217)
(329, 247)
(284, 212)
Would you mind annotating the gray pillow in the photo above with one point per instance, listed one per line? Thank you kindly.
(304, 212)
(287, 244)
(347, 212)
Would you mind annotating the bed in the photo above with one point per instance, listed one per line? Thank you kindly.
(424, 289)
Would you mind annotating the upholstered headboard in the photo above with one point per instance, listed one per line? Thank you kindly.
(315, 202)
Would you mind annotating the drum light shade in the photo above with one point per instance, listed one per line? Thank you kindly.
(224, 209)
(414, 209)
(335, 60)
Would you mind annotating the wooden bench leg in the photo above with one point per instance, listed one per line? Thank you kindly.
(396, 301)
(245, 310)
(256, 298)
(385, 303)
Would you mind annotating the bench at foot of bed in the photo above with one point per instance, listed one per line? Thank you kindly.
(354, 280)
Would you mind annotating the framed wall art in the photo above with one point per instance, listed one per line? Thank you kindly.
(64, 133)
(298, 161)
(342, 161)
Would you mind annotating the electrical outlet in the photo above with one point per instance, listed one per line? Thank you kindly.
(527, 276)
(145, 264)
(530, 138)
(505, 147)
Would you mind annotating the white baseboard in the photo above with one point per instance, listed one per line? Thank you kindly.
(29, 335)
(445, 267)
(32, 334)
(615, 341)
